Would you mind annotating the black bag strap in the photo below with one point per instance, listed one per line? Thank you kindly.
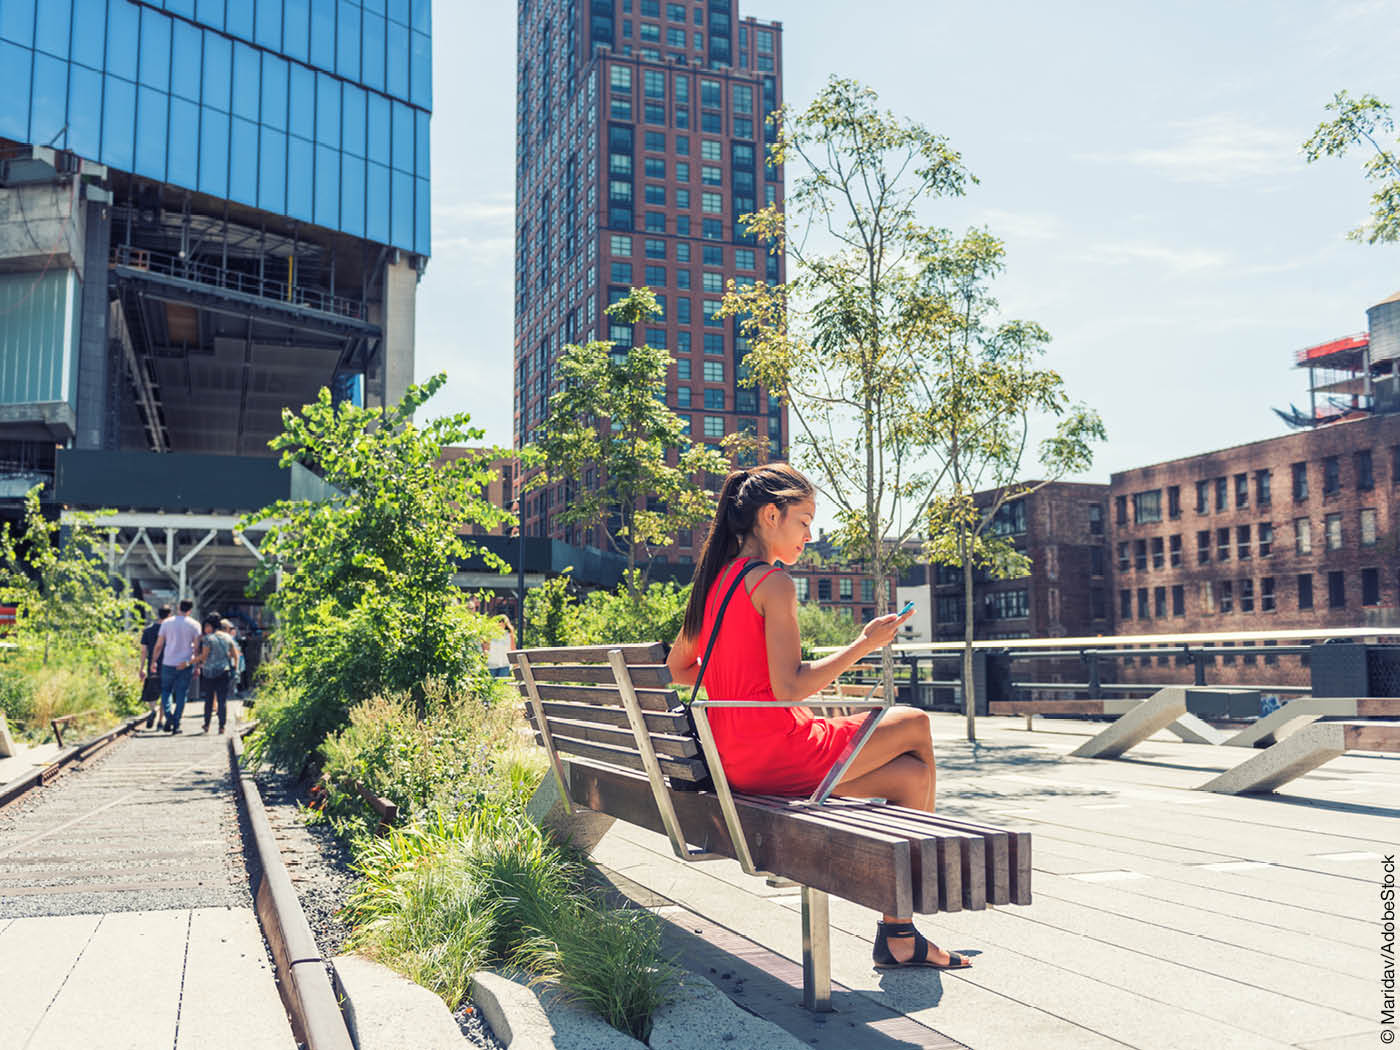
(719, 618)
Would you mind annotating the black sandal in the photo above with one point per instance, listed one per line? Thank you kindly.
(884, 960)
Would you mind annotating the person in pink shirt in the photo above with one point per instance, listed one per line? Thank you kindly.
(175, 652)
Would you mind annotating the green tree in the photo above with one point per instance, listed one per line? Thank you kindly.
(986, 394)
(611, 437)
(820, 627)
(634, 612)
(838, 343)
(1364, 122)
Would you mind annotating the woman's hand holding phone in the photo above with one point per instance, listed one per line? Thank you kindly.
(881, 631)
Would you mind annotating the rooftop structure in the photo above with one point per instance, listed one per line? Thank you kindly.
(1355, 375)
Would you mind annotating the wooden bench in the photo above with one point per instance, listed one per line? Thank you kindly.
(1303, 751)
(618, 740)
(1277, 724)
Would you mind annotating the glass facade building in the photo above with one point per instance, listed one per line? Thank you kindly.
(317, 110)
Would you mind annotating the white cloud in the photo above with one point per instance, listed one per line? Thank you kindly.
(1177, 260)
(1220, 148)
(1031, 226)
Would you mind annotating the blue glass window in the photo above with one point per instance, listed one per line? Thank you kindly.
(377, 203)
(397, 82)
(422, 18)
(89, 31)
(49, 101)
(400, 11)
(118, 125)
(243, 162)
(301, 177)
(302, 100)
(213, 152)
(327, 187)
(296, 22)
(183, 167)
(422, 215)
(240, 19)
(181, 7)
(185, 60)
(268, 31)
(327, 110)
(372, 51)
(151, 127)
(245, 82)
(274, 91)
(14, 84)
(218, 62)
(352, 195)
(402, 232)
(403, 137)
(123, 30)
(421, 168)
(211, 12)
(51, 28)
(353, 119)
(347, 40)
(272, 170)
(421, 93)
(155, 50)
(376, 6)
(378, 140)
(84, 110)
(323, 33)
(17, 22)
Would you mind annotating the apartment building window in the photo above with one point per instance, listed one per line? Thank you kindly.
(1142, 607)
(1179, 600)
(1334, 532)
(1227, 596)
(1159, 602)
(1097, 610)
(867, 590)
(1263, 487)
(950, 610)
(1222, 493)
(1336, 590)
(1120, 510)
(1222, 544)
(1147, 507)
(1174, 550)
(1241, 490)
(1203, 497)
(824, 590)
(1203, 547)
(1331, 476)
(1008, 605)
(1095, 519)
(1266, 539)
(1095, 561)
(1140, 555)
(1370, 587)
(1395, 464)
(714, 426)
(1305, 599)
(1125, 605)
(803, 585)
(1302, 536)
(1173, 501)
(1266, 596)
(1365, 476)
(1010, 519)
(1300, 482)
(844, 588)
(1207, 596)
(1157, 557)
(1246, 596)
(1242, 542)
(1368, 527)
(1124, 561)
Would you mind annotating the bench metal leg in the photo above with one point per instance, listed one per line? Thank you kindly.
(816, 951)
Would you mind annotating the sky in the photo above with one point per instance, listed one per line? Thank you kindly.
(1141, 161)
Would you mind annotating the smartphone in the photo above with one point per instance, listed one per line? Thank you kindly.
(905, 611)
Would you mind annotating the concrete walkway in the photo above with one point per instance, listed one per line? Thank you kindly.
(1164, 917)
(125, 918)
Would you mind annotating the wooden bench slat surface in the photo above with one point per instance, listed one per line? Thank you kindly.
(1378, 707)
(644, 676)
(608, 696)
(1045, 707)
(863, 866)
(691, 769)
(642, 653)
(656, 721)
(1018, 855)
(1372, 736)
(618, 736)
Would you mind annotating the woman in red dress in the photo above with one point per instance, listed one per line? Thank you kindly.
(764, 517)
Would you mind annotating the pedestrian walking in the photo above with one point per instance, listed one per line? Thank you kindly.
(497, 662)
(175, 651)
(150, 670)
(217, 661)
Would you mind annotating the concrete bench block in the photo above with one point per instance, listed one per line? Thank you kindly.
(1305, 750)
(1291, 717)
(7, 742)
(526, 1017)
(1134, 726)
(385, 1011)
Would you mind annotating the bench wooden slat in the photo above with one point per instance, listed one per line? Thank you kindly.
(642, 653)
(1378, 707)
(608, 696)
(863, 866)
(656, 721)
(644, 676)
(1018, 854)
(617, 736)
(1045, 707)
(691, 769)
(1371, 736)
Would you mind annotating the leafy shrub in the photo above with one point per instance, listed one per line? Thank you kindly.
(818, 627)
(630, 613)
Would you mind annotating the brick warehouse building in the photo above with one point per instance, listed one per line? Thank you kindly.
(641, 139)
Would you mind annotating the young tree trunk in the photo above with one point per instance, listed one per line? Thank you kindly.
(969, 685)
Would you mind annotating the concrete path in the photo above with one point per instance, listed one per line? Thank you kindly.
(1164, 917)
(125, 919)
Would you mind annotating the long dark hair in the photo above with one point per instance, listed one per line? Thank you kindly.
(743, 495)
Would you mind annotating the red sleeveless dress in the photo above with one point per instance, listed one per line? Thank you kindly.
(772, 751)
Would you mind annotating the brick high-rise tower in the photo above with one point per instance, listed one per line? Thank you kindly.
(640, 140)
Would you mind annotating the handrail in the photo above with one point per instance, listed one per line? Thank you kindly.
(1099, 641)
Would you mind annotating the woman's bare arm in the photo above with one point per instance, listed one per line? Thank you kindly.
(683, 660)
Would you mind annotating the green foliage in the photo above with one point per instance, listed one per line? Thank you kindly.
(820, 627)
(635, 612)
(610, 422)
(1364, 122)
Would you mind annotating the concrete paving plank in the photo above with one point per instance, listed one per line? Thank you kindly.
(1367, 1040)
(36, 957)
(226, 953)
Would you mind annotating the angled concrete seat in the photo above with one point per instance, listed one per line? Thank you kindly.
(1302, 752)
(1278, 724)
